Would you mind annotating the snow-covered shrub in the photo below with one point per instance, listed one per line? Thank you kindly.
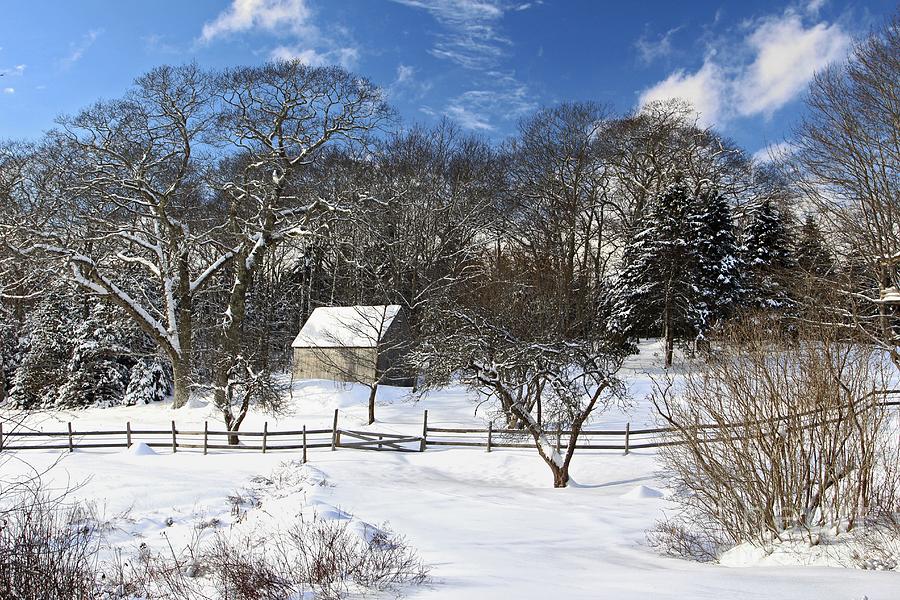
(48, 549)
(323, 556)
(778, 440)
(150, 381)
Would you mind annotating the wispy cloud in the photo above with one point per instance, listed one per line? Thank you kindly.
(770, 66)
(79, 48)
(651, 49)
(485, 109)
(471, 37)
(9, 90)
(16, 71)
(346, 57)
(774, 152)
(407, 84)
(156, 42)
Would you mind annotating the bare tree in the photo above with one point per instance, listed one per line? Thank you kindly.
(559, 215)
(848, 165)
(278, 117)
(647, 150)
(127, 172)
(546, 384)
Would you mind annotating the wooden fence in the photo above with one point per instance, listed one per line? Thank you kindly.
(176, 439)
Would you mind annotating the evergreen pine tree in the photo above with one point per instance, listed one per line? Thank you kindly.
(682, 272)
(768, 257)
(9, 337)
(44, 351)
(811, 253)
(656, 287)
(150, 381)
(99, 367)
(719, 267)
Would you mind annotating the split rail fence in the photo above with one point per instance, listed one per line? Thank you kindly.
(303, 440)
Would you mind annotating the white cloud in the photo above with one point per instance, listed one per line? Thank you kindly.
(346, 57)
(506, 99)
(814, 6)
(705, 89)
(650, 50)
(285, 19)
(78, 50)
(407, 84)
(787, 56)
(9, 90)
(769, 67)
(16, 71)
(270, 15)
(308, 56)
(472, 39)
(467, 118)
(405, 73)
(774, 152)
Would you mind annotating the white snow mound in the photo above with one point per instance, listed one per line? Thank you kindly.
(643, 491)
(140, 449)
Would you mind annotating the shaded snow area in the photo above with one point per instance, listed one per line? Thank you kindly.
(489, 525)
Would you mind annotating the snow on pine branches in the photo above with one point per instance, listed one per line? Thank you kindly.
(682, 272)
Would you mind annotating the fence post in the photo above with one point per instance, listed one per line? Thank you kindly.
(627, 436)
(128, 434)
(205, 437)
(334, 432)
(265, 434)
(304, 444)
(424, 432)
(174, 443)
(490, 434)
(71, 446)
(1, 436)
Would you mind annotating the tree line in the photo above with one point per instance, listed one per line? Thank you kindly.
(175, 238)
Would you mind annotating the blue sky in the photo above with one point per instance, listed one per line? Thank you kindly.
(484, 63)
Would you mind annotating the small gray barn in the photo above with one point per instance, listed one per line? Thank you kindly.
(352, 344)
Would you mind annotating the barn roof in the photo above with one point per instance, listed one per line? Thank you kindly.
(346, 326)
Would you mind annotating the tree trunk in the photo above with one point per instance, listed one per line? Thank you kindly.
(372, 392)
(231, 425)
(181, 365)
(560, 476)
(232, 328)
(2, 381)
(181, 378)
(668, 332)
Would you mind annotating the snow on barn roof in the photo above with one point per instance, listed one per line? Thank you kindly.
(346, 326)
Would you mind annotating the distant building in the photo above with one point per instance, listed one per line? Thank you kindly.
(362, 344)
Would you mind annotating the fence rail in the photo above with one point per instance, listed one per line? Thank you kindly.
(304, 439)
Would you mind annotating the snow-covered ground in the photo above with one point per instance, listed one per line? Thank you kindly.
(490, 525)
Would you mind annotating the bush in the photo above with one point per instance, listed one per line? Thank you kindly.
(319, 555)
(48, 551)
(776, 437)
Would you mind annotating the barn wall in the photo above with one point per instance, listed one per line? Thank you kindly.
(339, 364)
(395, 346)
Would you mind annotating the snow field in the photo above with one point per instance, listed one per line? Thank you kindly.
(489, 524)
